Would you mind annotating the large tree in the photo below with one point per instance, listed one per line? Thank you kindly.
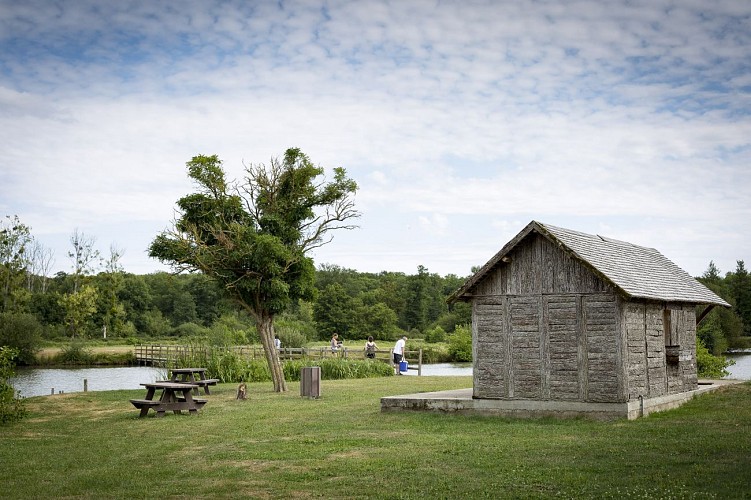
(254, 237)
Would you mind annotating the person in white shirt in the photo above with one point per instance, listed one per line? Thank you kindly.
(277, 342)
(399, 353)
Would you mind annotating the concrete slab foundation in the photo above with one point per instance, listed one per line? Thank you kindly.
(461, 401)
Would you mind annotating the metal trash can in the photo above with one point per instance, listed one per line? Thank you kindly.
(310, 381)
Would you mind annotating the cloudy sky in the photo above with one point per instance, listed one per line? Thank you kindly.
(461, 121)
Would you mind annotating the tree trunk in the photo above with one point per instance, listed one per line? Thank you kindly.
(266, 331)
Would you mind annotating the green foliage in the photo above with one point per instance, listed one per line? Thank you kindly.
(710, 366)
(377, 320)
(223, 334)
(431, 353)
(460, 344)
(12, 406)
(712, 335)
(228, 366)
(333, 311)
(75, 353)
(740, 286)
(290, 336)
(724, 328)
(339, 368)
(191, 330)
(15, 239)
(255, 246)
(435, 334)
(79, 307)
(155, 324)
(22, 332)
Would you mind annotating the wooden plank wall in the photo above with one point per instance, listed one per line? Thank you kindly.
(603, 338)
(649, 374)
(545, 327)
(566, 353)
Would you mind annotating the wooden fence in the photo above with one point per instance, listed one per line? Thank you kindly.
(166, 355)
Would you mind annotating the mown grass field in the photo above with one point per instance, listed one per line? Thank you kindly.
(93, 445)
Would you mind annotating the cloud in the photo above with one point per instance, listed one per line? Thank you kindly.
(477, 112)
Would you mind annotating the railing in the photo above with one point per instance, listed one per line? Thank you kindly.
(166, 354)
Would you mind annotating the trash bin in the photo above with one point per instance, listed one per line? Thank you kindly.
(403, 366)
(310, 381)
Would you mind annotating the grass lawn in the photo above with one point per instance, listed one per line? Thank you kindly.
(93, 445)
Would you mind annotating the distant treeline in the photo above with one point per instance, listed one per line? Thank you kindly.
(191, 307)
(726, 328)
(99, 300)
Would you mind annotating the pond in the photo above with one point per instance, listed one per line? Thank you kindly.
(42, 381)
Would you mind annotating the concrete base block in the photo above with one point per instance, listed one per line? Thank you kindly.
(461, 401)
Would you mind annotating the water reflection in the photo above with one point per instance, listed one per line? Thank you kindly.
(42, 381)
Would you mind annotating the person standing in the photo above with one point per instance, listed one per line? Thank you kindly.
(399, 353)
(335, 344)
(277, 342)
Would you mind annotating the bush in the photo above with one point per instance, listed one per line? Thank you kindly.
(22, 332)
(74, 353)
(436, 334)
(434, 353)
(11, 404)
(190, 330)
(460, 344)
(291, 337)
(710, 366)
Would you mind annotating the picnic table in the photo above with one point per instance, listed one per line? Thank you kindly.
(196, 376)
(174, 397)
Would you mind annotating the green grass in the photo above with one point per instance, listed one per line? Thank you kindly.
(93, 445)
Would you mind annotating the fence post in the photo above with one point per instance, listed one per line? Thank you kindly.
(419, 362)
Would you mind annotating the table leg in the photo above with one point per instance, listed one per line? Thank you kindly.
(205, 386)
(192, 409)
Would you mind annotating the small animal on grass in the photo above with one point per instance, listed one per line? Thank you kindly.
(242, 391)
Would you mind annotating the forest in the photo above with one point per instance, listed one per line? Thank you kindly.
(97, 299)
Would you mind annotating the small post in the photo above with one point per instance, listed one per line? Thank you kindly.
(419, 362)
(85, 385)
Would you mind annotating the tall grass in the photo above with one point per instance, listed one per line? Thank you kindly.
(228, 367)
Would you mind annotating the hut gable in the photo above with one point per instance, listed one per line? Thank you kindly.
(635, 271)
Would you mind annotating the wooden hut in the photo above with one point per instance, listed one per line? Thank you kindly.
(559, 315)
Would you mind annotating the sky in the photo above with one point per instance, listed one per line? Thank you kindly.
(461, 121)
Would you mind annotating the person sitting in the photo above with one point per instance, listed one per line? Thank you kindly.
(370, 348)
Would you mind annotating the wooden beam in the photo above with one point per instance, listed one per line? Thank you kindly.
(704, 314)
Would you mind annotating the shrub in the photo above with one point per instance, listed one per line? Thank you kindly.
(23, 332)
(291, 337)
(11, 404)
(73, 354)
(189, 330)
(460, 344)
(436, 334)
(435, 353)
(710, 366)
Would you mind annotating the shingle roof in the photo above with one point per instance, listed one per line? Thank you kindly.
(638, 272)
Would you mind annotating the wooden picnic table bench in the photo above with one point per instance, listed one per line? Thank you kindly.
(175, 397)
(195, 376)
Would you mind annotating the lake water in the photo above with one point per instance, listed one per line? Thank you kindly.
(41, 381)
